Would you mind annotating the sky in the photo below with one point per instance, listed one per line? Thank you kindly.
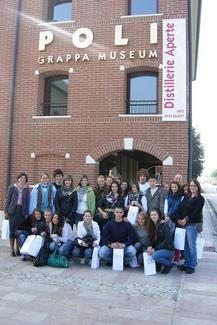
(205, 87)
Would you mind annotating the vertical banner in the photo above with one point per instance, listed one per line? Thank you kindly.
(174, 70)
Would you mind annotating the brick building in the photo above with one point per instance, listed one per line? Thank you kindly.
(96, 86)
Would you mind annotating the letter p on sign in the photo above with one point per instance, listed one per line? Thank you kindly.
(45, 38)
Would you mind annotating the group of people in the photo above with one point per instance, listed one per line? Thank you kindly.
(77, 219)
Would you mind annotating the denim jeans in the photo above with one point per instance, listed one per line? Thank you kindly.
(106, 253)
(21, 236)
(163, 256)
(65, 249)
(190, 252)
(83, 252)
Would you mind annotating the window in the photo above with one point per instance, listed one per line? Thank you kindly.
(60, 10)
(55, 96)
(142, 93)
(142, 7)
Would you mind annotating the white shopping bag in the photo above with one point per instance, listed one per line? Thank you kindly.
(132, 214)
(179, 239)
(149, 264)
(27, 243)
(118, 259)
(134, 262)
(5, 229)
(200, 242)
(36, 246)
(95, 262)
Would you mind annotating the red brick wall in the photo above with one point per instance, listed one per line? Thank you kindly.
(97, 91)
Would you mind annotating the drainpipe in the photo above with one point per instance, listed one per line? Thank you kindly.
(190, 93)
(12, 93)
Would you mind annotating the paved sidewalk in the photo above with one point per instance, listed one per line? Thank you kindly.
(80, 295)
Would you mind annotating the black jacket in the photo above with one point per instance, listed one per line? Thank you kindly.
(66, 204)
(191, 208)
(164, 238)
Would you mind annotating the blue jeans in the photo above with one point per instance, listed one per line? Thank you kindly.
(190, 251)
(21, 236)
(65, 249)
(83, 252)
(106, 253)
(163, 256)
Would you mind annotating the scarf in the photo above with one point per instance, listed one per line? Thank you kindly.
(134, 197)
(89, 228)
(67, 191)
(82, 192)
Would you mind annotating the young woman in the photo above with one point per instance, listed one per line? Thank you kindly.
(86, 198)
(141, 228)
(136, 198)
(108, 183)
(161, 239)
(66, 200)
(61, 235)
(88, 234)
(172, 203)
(125, 187)
(17, 207)
(37, 227)
(42, 195)
(190, 217)
(100, 189)
(108, 204)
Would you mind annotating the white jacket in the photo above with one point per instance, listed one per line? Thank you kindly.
(81, 231)
(67, 233)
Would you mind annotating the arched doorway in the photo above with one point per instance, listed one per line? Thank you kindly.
(127, 163)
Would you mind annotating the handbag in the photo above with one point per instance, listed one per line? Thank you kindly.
(179, 239)
(149, 264)
(57, 260)
(88, 239)
(132, 214)
(5, 229)
(41, 258)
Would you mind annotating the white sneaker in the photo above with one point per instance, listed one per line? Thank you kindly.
(82, 261)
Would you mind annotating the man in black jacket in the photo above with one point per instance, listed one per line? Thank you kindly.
(118, 234)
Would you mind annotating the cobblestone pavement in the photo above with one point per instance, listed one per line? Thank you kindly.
(80, 295)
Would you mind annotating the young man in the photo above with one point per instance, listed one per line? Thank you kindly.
(118, 234)
(142, 177)
(58, 176)
(155, 196)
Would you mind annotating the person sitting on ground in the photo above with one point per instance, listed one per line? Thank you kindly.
(58, 176)
(141, 228)
(118, 234)
(38, 227)
(161, 239)
(88, 237)
(61, 235)
(155, 196)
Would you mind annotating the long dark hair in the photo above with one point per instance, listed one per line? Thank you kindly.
(119, 188)
(179, 192)
(152, 227)
(195, 181)
(33, 219)
(57, 229)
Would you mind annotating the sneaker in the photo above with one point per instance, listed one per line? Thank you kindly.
(18, 253)
(182, 267)
(82, 261)
(89, 261)
(13, 253)
(189, 270)
(166, 269)
(22, 257)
